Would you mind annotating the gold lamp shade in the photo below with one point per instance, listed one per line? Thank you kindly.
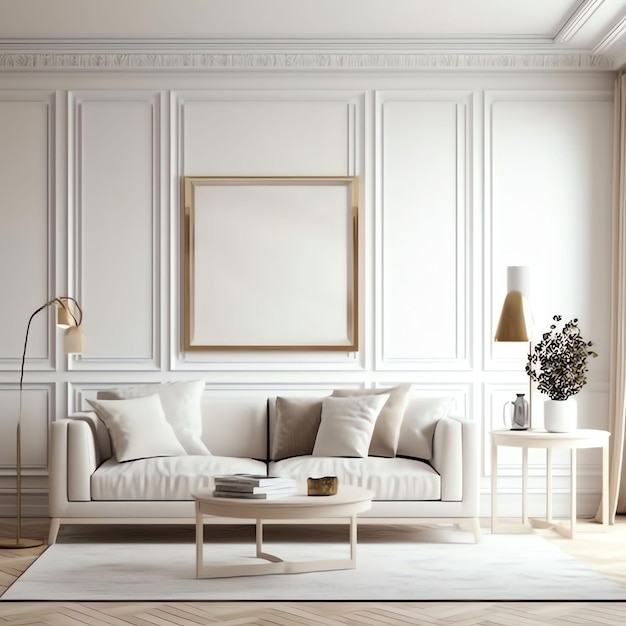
(516, 319)
(516, 322)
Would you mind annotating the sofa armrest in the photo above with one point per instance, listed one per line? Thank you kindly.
(455, 458)
(73, 459)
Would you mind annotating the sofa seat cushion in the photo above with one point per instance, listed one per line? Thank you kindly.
(389, 479)
(165, 478)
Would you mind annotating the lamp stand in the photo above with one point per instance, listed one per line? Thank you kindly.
(530, 391)
(18, 541)
(69, 319)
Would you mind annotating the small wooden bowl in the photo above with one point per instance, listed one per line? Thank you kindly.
(325, 486)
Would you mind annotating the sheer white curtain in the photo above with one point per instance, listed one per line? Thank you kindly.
(617, 381)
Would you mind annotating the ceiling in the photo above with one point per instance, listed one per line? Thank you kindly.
(595, 27)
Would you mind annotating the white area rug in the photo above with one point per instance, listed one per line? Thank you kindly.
(401, 565)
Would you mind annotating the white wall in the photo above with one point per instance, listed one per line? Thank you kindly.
(461, 174)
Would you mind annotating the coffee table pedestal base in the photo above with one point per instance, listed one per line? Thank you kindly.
(275, 564)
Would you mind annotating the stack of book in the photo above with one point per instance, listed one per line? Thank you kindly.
(254, 487)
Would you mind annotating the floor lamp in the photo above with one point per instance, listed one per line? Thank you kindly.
(69, 317)
(516, 320)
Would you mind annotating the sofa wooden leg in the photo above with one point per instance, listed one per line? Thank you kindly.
(55, 524)
(472, 525)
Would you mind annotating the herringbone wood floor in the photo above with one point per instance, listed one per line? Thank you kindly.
(603, 551)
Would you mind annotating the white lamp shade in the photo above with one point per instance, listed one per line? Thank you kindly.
(73, 340)
(518, 279)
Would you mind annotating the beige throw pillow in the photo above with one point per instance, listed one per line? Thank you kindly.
(347, 425)
(138, 428)
(387, 429)
(297, 421)
(418, 426)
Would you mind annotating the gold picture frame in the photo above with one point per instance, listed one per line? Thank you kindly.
(270, 263)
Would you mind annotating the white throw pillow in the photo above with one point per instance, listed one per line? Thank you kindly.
(387, 429)
(347, 425)
(138, 428)
(418, 426)
(181, 403)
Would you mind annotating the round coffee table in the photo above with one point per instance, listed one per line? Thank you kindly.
(347, 503)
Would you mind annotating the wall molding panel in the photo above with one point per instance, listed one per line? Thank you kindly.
(531, 224)
(27, 236)
(263, 133)
(38, 410)
(423, 218)
(116, 200)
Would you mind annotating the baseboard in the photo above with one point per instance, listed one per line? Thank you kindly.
(509, 505)
(33, 505)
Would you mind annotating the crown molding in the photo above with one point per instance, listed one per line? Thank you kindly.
(272, 60)
(284, 54)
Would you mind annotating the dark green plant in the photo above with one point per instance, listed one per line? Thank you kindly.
(559, 361)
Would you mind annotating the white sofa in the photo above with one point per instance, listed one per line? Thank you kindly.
(89, 486)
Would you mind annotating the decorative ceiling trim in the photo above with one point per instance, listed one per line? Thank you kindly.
(196, 61)
(577, 20)
(612, 37)
(528, 44)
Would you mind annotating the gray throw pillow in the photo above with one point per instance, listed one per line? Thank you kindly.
(295, 430)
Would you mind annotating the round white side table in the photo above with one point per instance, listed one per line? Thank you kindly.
(525, 439)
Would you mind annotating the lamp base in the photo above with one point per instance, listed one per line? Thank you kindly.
(21, 543)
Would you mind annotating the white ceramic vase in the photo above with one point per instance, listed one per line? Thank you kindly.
(560, 416)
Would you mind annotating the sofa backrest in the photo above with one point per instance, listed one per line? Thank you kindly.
(231, 426)
(243, 424)
(235, 426)
(416, 430)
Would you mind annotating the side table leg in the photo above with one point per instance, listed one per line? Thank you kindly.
(549, 485)
(199, 539)
(572, 495)
(353, 537)
(259, 538)
(494, 485)
(525, 485)
(605, 486)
